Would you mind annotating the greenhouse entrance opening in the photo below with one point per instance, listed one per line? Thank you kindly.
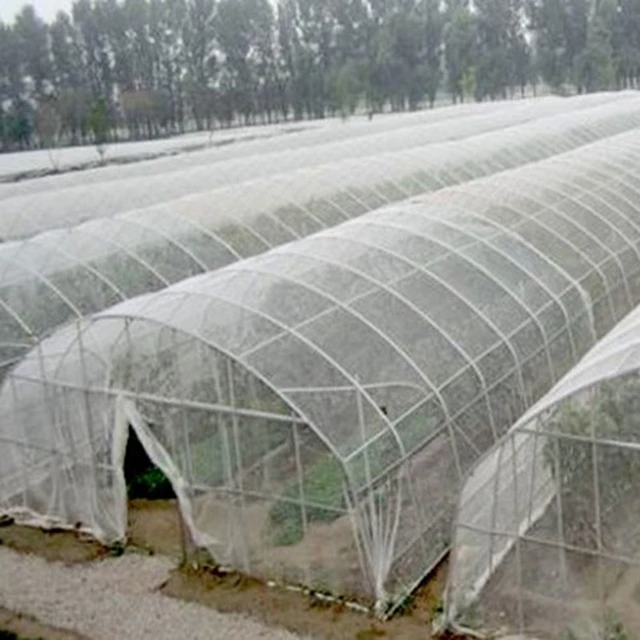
(145, 464)
(147, 470)
(142, 477)
(260, 492)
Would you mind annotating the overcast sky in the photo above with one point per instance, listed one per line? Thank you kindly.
(46, 9)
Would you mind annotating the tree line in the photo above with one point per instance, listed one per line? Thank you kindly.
(139, 69)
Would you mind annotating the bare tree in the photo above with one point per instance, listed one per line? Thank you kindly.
(48, 124)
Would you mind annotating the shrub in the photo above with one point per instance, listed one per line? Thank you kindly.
(150, 483)
(144, 480)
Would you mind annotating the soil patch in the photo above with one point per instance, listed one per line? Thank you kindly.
(15, 626)
(154, 526)
(306, 614)
(53, 545)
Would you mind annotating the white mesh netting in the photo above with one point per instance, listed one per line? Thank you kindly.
(73, 198)
(317, 406)
(59, 275)
(547, 537)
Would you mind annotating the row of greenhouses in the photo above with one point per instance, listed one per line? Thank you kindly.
(174, 153)
(31, 213)
(33, 165)
(318, 406)
(225, 145)
(53, 277)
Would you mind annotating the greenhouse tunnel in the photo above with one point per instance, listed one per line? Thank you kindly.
(292, 137)
(547, 538)
(31, 213)
(317, 406)
(59, 275)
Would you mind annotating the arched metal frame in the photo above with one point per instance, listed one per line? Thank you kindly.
(405, 341)
(569, 463)
(104, 193)
(224, 146)
(515, 511)
(58, 275)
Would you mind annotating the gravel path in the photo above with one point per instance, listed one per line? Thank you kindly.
(115, 599)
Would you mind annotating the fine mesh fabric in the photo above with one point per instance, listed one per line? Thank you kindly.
(547, 539)
(55, 276)
(71, 198)
(317, 406)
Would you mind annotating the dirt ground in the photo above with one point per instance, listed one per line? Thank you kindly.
(26, 628)
(154, 527)
(304, 614)
(63, 546)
